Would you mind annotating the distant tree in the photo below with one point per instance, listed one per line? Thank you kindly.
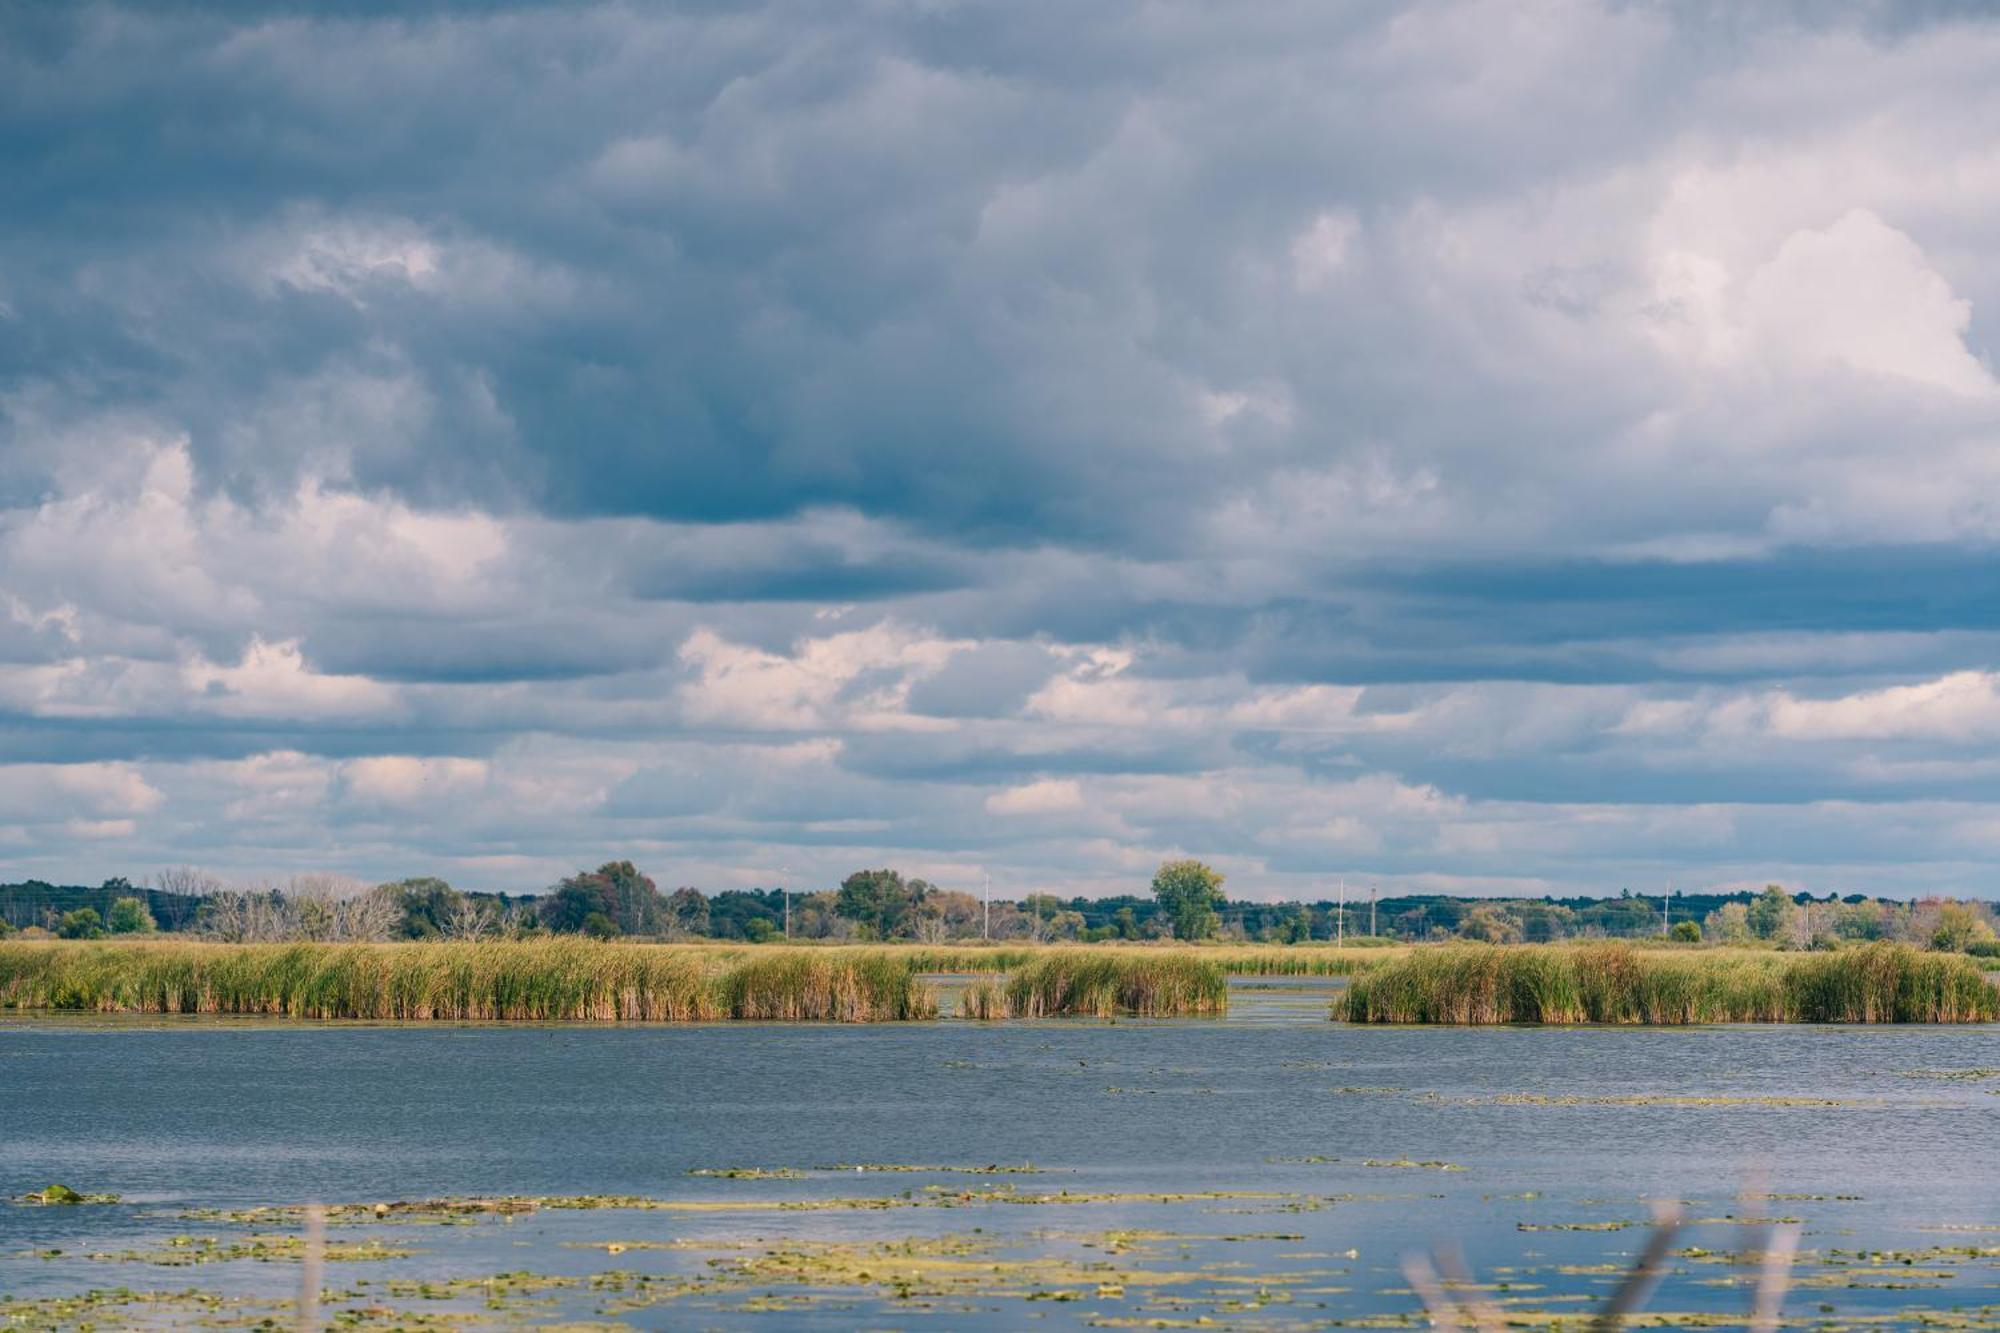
(1959, 927)
(1189, 893)
(1687, 932)
(1288, 923)
(639, 909)
(427, 903)
(566, 907)
(1126, 923)
(687, 912)
(1864, 920)
(130, 917)
(758, 929)
(1728, 924)
(816, 916)
(1048, 917)
(1484, 921)
(599, 926)
(731, 912)
(180, 893)
(470, 920)
(878, 901)
(82, 924)
(616, 890)
(944, 914)
(1771, 912)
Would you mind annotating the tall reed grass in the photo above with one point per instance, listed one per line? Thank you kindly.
(1103, 984)
(852, 986)
(536, 979)
(1614, 983)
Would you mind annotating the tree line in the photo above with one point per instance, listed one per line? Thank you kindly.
(1185, 901)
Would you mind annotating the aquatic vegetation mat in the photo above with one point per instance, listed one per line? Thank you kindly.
(1097, 1270)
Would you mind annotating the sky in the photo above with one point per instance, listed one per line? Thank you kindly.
(1487, 447)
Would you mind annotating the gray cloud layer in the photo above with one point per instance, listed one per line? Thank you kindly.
(1472, 444)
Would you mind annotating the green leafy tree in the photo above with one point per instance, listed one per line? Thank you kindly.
(1687, 932)
(1126, 923)
(1958, 928)
(599, 926)
(82, 924)
(616, 890)
(878, 900)
(731, 912)
(1190, 894)
(1494, 925)
(687, 912)
(1771, 912)
(130, 917)
(428, 904)
(1729, 923)
(1864, 920)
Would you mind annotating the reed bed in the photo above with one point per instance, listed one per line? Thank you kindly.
(983, 1000)
(1614, 983)
(1236, 960)
(563, 979)
(852, 986)
(1103, 984)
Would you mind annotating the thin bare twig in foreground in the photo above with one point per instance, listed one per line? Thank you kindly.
(1774, 1277)
(1484, 1315)
(1424, 1281)
(1645, 1271)
(310, 1272)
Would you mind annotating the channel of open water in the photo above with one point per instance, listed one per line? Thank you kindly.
(1268, 1170)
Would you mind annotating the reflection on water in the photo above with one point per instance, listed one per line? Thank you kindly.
(1267, 1170)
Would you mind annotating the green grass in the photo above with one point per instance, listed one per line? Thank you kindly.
(1614, 983)
(534, 979)
(1107, 983)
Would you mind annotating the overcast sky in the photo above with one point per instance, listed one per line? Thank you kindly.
(1482, 447)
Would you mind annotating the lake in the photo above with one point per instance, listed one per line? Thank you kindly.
(1269, 1170)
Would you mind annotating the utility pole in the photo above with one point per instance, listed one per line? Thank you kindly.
(986, 930)
(1371, 911)
(785, 887)
(1340, 921)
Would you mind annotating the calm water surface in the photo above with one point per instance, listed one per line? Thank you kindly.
(1306, 1158)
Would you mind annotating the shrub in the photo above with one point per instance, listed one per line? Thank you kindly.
(82, 924)
(130, 917)
(1687, 932)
